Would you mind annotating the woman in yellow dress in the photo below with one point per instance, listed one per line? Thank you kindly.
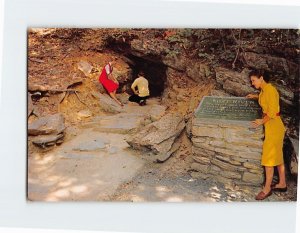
(272, 154)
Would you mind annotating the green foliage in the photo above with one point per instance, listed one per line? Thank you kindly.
(173, 52)
(203, 55)
(175, 38)
(188, 32)
(227, 56)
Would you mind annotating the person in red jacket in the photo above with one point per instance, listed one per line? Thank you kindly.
(109, 82)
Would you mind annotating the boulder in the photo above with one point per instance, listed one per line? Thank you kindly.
(198, 71)
(84, 114)
(85, 67)
(52, 124)
(122, 72)
(30, 105)
(219, 93)
(175, 61)
(162, 157)
(159, 137)
(271, 63)
(237, 89)
(223, 74)
(99, 88)
(123, 97)
(294, 157)
(238, 84)
(53, 83)
(48, 140)
(151, 47)
(286, 95)
(235, 83)
(107, 104)
(156, 112)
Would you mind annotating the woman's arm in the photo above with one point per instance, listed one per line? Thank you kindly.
(252, 96)
(262, 121)
(112, 78)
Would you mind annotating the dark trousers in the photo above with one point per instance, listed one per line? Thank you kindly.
(137, 99)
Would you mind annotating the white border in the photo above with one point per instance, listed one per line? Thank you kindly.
(124, 217)
(1, 39)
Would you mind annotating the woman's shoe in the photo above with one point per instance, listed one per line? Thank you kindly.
(273, 185)
(281, 190)
(261, 196)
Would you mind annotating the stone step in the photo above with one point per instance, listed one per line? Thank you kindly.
(123, 123)
(120, 123)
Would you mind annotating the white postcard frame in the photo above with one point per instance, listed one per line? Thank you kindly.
(15, 211)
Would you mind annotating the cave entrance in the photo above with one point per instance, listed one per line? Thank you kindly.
(154, 72)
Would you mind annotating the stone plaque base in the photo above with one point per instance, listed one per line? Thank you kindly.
(228, 151)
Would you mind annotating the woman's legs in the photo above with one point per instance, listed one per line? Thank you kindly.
(269, 178)
(113, 95)
(281, 172)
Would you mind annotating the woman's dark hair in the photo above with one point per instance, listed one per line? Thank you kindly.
(259, 73)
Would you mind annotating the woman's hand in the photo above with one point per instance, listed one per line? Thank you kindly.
(112, 78)
(257, 123)
(252, 96)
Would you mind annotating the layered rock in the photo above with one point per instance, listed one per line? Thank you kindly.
(30, 105)
(159, 137)
(271, 63)
(122, 72)
(219, 93)
(107, 104)
(238, 84)
(86, 113)
(47, 131)
(152, 47)
(294, 157)
(52, 124)
(57, 83)
(48, 140)
(235, 83)
(85, 67)
(198, 72)
(175, 61)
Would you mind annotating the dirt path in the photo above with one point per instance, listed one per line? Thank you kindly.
(93, 162)
(155, 184)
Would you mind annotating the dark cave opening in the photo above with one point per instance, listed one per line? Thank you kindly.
(154, 72)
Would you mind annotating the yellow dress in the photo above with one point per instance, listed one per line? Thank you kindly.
(274, 129)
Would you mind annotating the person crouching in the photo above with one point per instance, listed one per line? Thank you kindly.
(140, 88)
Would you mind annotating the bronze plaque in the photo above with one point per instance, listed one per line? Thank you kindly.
(228, 108)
